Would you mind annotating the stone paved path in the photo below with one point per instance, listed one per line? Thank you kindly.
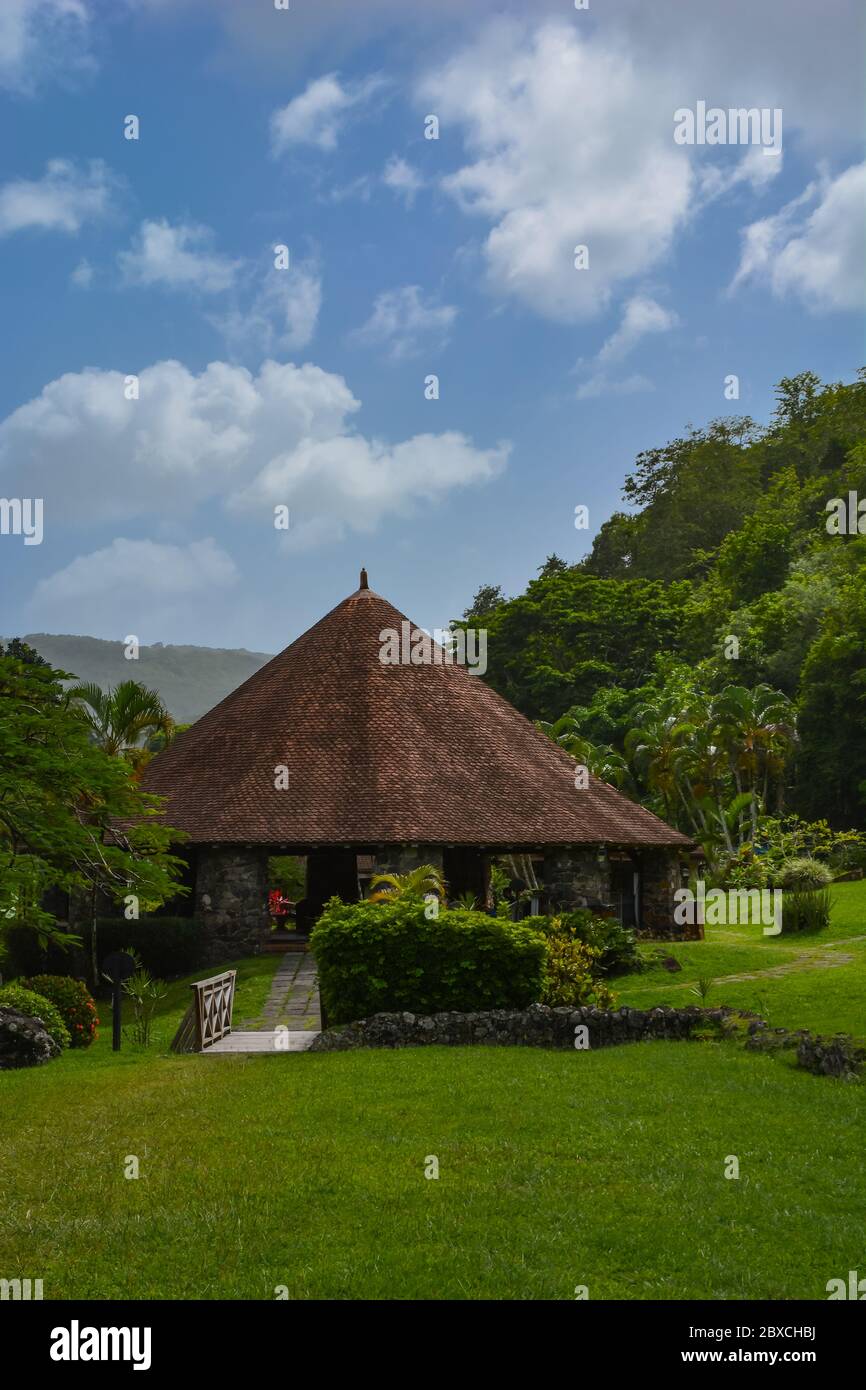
(294, 996)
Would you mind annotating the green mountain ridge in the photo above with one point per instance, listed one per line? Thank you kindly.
(190, 680)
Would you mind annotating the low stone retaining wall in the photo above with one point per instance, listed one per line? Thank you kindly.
(539, 1026)
(837, 1056)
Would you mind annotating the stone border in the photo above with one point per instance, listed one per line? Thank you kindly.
(540, 1026)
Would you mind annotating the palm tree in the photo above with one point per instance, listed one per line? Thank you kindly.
(418, 883)
(654, 747)
(758, 729)
(600, 759)
(121, 720)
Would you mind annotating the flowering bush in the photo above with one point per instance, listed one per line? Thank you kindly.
(35, 1006)
(74, 1003)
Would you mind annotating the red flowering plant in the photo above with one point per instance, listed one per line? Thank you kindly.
(278, 905)
(74, 1002)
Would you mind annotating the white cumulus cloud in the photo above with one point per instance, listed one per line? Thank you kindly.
(569, 145)
(281, 436)
(180, 256)
(813, 248)
(62, 200)
(136, 586)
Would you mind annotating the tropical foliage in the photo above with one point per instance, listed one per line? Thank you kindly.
(417, 883)
(709, 655)
(123, 720)
(71, 817)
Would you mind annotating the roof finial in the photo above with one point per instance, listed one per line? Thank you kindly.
(364, 584)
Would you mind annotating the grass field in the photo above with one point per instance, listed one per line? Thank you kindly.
(825, 989)
(556, 1169)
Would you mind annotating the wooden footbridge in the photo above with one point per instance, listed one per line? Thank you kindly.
(206, 1026)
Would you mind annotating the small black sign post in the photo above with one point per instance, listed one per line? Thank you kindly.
(117, 967)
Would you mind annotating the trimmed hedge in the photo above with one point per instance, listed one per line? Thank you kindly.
(36, 1006)
(389, 957)
(73, 1001)
(25, 954)
(165, 945)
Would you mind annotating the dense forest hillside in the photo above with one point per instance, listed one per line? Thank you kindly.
(190, 680)
(740, 568)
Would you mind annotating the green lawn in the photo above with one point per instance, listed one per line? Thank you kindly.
(556, 1169)
(825, 991)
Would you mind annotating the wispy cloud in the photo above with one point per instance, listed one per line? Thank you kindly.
(42, 39)
(641, 316)
(180, 256)
(404, 323)
(61, 201)
(317, 116)
(813, 248)
(403, 178)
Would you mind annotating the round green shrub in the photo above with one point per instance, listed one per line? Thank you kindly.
(802, 875)
(377, 957)
(807, 911)
(74, 1002)
(36, 1006)
(615, 944)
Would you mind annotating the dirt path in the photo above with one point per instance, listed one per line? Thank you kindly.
(817, 958)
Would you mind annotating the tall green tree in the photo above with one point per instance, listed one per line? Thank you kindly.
(831, 767)
(71, 816)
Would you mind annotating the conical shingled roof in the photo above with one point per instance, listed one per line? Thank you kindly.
(380, 754)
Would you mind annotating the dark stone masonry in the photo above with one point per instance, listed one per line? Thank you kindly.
(537, 1026)
(231, 899)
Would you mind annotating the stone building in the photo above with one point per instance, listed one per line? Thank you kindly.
(332, 752)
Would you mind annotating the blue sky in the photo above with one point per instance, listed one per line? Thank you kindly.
(305, 387)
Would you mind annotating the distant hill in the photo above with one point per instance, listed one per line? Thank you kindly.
(191, 680)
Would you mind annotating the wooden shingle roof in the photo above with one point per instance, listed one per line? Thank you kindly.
(380, 754)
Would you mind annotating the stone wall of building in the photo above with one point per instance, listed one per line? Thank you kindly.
(576, 878)
(231, 899)
(661, 876)
(402, 859)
